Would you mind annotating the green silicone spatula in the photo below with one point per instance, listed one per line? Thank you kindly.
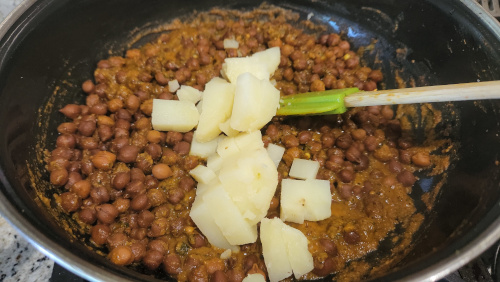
(338, 100)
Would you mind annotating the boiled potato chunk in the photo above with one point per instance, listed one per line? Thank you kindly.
(216, 108)
(305, 200)
(304, 169)
(274, 249)
(250, 179)
(261, 64)
(299, 256)
(226, 128)
(214, 162)
(172, 115)
(203, 149)
(285, 250)
(201, 216)
(255, 103)
(276, 153)
(188, 93)
(228, 218)
(202, 174)
(255, 277)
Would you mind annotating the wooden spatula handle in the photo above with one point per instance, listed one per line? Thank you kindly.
(426, 94)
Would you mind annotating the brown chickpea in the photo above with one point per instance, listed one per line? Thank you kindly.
(121, 204)
(421, 159)
(121, 255)
(128, 153)
(87, 215)
(59, 177)
(106, 213)
(82, 188)
(67, 128)
(103, 160)
(139, 202)
(162, 171)
(71, 111)
(152, 259)
(172, 264)
(100, 234)
(153, 136)
(121, 180)
(88, 86)
(70, 202)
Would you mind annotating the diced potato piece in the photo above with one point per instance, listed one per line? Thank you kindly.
(285, 249)
(274, 249)
(300, 258)
(203, 149)
(227, 147)
(292, 201)
(255, 103)
(216, 108)
(173, 115)
(261, 64)
(231, 43)
(275, 153)
(249, 141)
(203, 219)
(305, 200)
(214, 162)
(255, 277)
(173, 85)
(188, 93)
(304, 169)
(226, 254)
(250, 179)
(319, 199)
(271, 57)
(226, 215)
(226, 128)
(202, 174)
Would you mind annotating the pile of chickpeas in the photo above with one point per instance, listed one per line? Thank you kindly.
(130, 185)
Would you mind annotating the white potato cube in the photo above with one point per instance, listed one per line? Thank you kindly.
(202, 174)
(300, 258)
(255, 277)
(173, 85)
(275, 153)
(231, 43)
(255, 103)
(304, 169)
(319, 200)
(173, 115)
(227, 147)
(285, 249)
(214, 162)
(226, 215)
(203, 149)
(216, 108)
(188, 93)
(226, 128)
(292, 202)
(274, 249)
(271, 57)
(305, 200)
(261, 64)
(203, 219)
(250, 179)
